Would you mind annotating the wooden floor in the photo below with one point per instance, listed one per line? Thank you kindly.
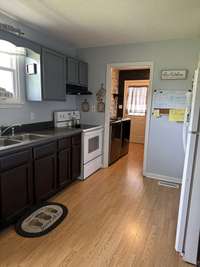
(116, 218)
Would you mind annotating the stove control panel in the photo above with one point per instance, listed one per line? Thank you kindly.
(66, 118)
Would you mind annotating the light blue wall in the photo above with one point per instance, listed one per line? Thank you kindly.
(165, 151)
(42, 111)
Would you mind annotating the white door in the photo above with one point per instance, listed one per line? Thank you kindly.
(135, 99)
(137, 133)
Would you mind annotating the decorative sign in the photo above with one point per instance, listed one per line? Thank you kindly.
(173, 74)
(9, 28)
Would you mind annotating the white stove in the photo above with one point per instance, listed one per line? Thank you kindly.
(92, 138)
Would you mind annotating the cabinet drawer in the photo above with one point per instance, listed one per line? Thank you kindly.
(45, 150)
(76, 139)
(64, 143)
(16, 159)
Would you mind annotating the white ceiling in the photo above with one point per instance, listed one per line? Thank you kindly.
(88, 23)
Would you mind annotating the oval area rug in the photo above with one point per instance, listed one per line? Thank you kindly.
(41, 219)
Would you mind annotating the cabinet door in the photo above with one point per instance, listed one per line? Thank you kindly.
(126, 125)
(45, 177)
(64, 167)
(76, 161)
(115, 141)
(83, 73)
(16, 191)
(72, 71)
(53, 73)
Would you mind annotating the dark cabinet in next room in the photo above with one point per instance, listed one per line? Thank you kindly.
(115, 140)
(119, 139)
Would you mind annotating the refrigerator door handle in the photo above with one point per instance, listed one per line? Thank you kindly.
(184, 135)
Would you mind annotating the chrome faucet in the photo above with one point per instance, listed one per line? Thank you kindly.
(12, 126)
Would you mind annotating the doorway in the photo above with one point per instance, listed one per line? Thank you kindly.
(127, 66)
(135, 108)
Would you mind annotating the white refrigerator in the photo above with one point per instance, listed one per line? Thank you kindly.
(188, 226)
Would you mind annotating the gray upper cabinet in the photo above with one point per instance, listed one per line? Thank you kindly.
(83, 73)
(53, 75)
(77, 72)
(72, 71)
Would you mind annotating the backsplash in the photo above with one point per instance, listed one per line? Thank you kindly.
(31, 112)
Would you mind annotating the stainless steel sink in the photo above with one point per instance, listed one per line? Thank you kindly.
(28, 137)
(4, 142)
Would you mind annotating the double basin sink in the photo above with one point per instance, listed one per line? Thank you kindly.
(7, 141)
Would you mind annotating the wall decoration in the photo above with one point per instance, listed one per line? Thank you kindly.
(101, 106)
(173, 74)
(100, 95)
(31, 68)
(85, 106)
(169, 99)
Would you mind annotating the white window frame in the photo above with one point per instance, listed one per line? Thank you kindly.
(16, 99)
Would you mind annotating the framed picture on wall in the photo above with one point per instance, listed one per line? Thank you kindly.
(174, 74)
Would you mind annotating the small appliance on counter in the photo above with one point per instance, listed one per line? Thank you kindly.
(92, 138)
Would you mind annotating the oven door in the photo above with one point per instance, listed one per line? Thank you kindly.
(92, 145)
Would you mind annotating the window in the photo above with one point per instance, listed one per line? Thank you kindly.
(9, 72)
(136, 103)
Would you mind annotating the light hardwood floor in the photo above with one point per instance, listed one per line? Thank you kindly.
(116, 218)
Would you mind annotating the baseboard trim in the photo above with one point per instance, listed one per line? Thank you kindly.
(162, 177)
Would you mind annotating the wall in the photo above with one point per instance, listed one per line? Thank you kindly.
(29, 111)
(165, 151)
(114, 90)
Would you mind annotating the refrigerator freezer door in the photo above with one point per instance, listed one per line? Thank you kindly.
(194, 121)
(193, 224)
(185, 191)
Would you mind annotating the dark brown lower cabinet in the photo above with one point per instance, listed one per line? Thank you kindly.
(32, 175)
(45, 171)
(64, 167)
(45, 177)
(69, 159)
(16, 185)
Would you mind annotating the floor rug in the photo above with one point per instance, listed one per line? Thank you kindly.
(41, 219)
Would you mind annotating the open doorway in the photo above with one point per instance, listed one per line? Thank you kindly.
(125, 105)
(135, 108)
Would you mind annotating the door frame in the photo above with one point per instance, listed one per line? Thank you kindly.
(126, 66)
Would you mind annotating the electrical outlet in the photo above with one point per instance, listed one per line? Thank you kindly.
(32, 116)
(93, 108)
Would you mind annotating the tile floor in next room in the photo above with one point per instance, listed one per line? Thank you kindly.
(116, 218)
